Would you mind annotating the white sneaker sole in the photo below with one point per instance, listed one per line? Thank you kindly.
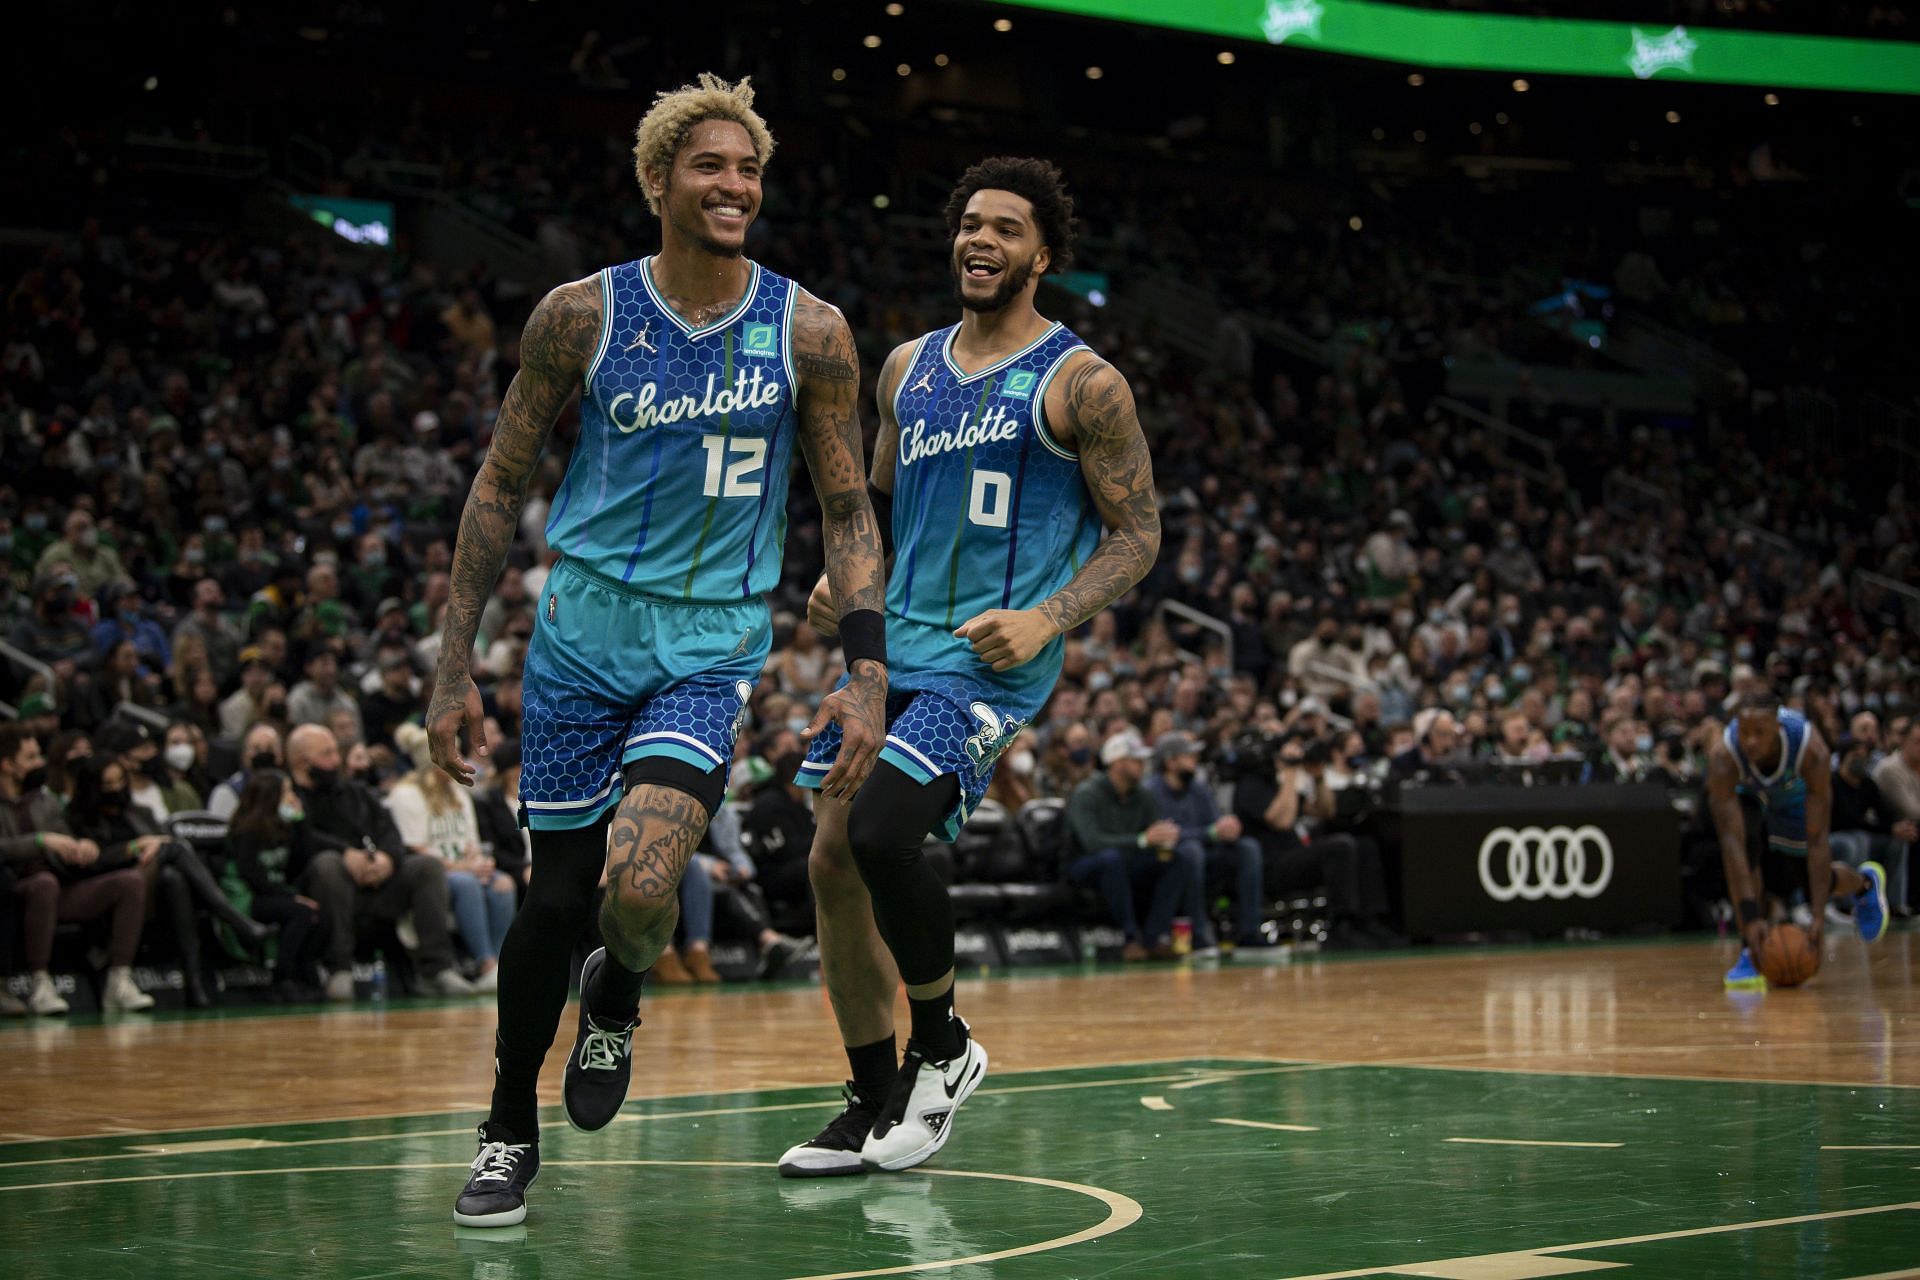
(508, 1218)
(819, 1162)
(926, 1152)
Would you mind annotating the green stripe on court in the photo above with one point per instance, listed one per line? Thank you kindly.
(1049, 1174)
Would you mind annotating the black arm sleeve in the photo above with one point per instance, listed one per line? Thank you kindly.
(883, 512)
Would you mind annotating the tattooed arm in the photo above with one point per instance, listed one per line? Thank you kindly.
(830, 438)
(1097, 415)
(821, 611)
(555, 349)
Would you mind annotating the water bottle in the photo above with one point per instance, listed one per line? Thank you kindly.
(379, 984)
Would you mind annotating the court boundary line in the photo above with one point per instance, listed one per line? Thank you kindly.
(637, 1118)
(1618, 1243)
(1122, 1210)
(1462, 1062)
(661, 1097)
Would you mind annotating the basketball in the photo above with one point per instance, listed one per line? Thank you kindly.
(1788, 957)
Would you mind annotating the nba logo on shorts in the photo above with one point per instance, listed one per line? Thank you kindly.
(1020, 384)
(757, 340)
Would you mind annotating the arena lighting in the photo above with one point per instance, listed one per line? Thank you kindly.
(1224, 57)
(872, 42)
(940, 59)
(1541, 46)
(1416, 79)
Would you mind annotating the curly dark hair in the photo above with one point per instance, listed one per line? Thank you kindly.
(1038, 182)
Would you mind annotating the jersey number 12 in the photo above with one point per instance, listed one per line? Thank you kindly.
(740, 477)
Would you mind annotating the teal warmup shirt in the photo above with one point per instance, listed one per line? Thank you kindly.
(678, 483)
(989, 512)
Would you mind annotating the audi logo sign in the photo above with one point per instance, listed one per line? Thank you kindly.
(1545, 862)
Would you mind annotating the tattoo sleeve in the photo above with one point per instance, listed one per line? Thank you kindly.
(830, 438)
(555, 348)
(1119, 474)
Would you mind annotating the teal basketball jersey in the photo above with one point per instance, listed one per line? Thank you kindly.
(989, 509)
(678, 483)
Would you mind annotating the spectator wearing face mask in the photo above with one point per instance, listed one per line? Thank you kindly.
(93, 562)
(1220, 857)
(54, 633)
(269, 838)
(178, 774)
(1067, 762)
(125, 619)
(59, 877)
(260, 749)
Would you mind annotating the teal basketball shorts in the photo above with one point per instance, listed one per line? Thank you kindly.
(613, 676)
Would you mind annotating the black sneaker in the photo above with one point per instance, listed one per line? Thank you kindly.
(835, 1150)
(779, 953)
(496, 1194)
(595, 1086)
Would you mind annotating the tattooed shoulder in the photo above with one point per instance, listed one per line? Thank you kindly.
(823, 342)
(564, 329)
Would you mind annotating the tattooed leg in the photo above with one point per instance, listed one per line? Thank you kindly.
(654, 835)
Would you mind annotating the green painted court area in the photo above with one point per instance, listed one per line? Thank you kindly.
(1199, 1168)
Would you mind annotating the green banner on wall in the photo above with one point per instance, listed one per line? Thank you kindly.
(1539, 46)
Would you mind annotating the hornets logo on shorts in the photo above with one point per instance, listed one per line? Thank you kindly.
(994, 737)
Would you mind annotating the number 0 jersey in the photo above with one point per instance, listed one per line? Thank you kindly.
(989, 510)
(678, 483)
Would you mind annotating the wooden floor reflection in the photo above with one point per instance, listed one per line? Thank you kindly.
(1654, 1009)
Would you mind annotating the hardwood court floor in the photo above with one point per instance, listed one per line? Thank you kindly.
(1485, 1115)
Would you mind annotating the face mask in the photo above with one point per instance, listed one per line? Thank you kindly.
(1098, 681)
(215, 524)
(1522, 675)
(1021, 762)
(1459, 694)
(195, 555)
(282, 464)
(88, 539)
(35, 778)
(342, 531)
(1510, 620)
(797, 723)
(1508, 544)
(325, 779)
(1190, 573)
(1643, 743)
(6, 543)
(263, 760)
(1497, 692)
(180, 756)
(112, 801)
(36, 522)
(292, 813)
(377, 558)
(1080, 755)
(1436, 615)
(1743, 651)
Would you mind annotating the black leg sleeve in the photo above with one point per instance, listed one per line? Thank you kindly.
(891, 817)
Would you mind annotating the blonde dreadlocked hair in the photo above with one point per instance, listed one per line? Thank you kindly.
(664, 129)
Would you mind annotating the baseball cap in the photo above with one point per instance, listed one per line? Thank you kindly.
(1175, 744)
(1124, 746)
(36, 704)
(388, 605)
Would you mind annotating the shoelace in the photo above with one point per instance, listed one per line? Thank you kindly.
(604, 1049)
(852, 1125)
(497, 1161)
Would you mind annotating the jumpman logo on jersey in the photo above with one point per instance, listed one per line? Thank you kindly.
(925, 383)
(640, 340)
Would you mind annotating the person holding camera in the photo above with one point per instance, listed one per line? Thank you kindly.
(1218, 854)
(1282, 801)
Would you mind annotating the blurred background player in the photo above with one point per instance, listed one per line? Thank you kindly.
(1006, 447)
(1770, 787)
(699, 370)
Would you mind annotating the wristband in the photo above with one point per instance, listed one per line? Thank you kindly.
(1140, 841)
(1749, 911)
(863, 634)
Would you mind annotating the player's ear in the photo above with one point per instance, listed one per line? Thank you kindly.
(1042, 260)
(656, 182)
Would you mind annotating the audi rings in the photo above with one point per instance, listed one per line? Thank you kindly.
(1546, 862)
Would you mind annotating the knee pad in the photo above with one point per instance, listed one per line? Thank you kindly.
(893, 814)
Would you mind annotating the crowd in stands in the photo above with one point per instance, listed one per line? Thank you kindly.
(230, 470)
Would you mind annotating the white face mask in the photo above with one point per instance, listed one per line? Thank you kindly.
(1021, 762)
(180, 756)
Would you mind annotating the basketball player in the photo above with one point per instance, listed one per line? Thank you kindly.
(1005, 447)
(698, 370)
(1770, 786)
